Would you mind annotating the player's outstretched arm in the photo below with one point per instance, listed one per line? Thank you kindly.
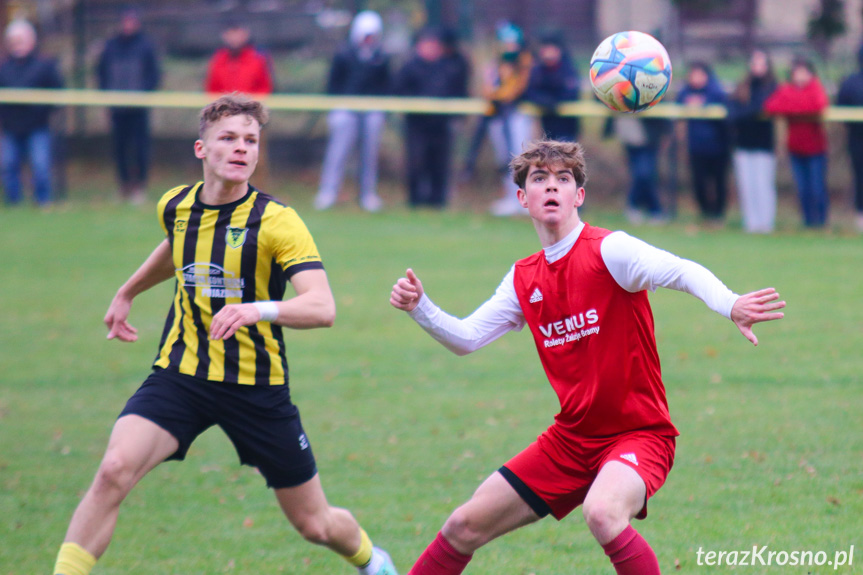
(312, 307)
(756, 307)
(407, 292)
(155, 269)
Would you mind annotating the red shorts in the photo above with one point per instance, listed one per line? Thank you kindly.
(554, 473)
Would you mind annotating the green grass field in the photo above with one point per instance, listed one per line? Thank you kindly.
(771, 450)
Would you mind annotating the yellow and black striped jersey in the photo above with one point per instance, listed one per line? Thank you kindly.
(240, 252)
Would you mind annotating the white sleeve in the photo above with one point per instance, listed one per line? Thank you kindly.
(636, 265)
(499, 315)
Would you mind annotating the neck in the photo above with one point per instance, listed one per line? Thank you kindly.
(218, 193)
(551, 234)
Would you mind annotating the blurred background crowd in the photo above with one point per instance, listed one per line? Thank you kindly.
(775, 67)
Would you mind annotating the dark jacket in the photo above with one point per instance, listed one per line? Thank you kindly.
(32, 71)
(751, 128)
(548, 87)
(129, 63)
(707, 137)
(352, 76)
(851, 94)
(422, 78)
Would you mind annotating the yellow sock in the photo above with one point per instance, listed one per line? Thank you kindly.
(364, 555)
(74, 560)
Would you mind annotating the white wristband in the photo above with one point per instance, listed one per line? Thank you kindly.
(269, 310)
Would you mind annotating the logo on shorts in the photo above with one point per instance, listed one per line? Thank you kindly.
(235, 237)
(630, 457)
(536, 296)
(304, 442)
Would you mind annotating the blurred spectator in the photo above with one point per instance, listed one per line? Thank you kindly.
(26, 131)
(642, 139)
(504, 87)
(553, 80)
(428, 136)
(802, 102)
(707, 143)
(457, 63)
(129, 62)
(359, 68)
(754, 153)
(851, 94)
(240, 66)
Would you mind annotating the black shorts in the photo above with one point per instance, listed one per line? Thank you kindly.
(260, 421)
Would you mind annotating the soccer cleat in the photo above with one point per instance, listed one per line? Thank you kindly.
(387, 567)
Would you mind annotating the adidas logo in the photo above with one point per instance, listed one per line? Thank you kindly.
(630, 457)
(536, 296)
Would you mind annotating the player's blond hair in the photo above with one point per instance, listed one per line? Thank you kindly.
(549, 153)
(229, 105)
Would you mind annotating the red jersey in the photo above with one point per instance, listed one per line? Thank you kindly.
(803, 107)
(596, 342)
(247, 71)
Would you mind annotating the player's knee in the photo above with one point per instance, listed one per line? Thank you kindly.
(602, 516)
(464, 532)
(115, 475)
(314, 529)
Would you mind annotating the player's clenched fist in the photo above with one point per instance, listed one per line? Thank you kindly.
(407, 292)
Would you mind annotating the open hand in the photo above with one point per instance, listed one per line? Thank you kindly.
(756, 307)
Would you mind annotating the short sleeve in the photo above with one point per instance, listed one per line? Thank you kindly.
(293, 247)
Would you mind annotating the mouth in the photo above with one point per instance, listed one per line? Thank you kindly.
(551, 203)
(238, 163)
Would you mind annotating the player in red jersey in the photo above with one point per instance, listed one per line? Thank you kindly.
(612, 444)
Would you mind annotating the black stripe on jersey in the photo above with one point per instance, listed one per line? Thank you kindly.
(232, 346)
(171, 211)
(189, 249)
(295, 269)
(169, 322)
(277, 292)
(248, 270)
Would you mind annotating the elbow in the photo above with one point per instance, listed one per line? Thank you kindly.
(327, 316)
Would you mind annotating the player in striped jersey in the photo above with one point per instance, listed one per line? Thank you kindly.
(232, 250)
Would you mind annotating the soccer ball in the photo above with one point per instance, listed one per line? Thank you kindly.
(630, 71)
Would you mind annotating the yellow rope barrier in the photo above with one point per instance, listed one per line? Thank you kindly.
(322, 103)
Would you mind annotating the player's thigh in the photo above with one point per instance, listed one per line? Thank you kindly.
(493, 510)
(618, 489)
(136, 446)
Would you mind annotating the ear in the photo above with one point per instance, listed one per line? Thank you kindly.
(522, 197)
(200, 153)
(579, 197)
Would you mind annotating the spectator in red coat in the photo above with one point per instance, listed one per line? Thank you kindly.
(239, 66)
(802, 102)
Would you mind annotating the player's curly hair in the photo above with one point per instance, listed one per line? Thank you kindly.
(232, 105)
(549, 153)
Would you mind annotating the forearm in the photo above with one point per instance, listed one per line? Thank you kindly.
(460, 336)
(158, 267)
(694, 279)
(306, 311)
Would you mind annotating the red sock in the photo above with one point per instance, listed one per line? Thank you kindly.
(440, 558)
(631, 555)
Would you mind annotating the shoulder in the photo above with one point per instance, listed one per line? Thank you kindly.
(172, 194)
(529, 261)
